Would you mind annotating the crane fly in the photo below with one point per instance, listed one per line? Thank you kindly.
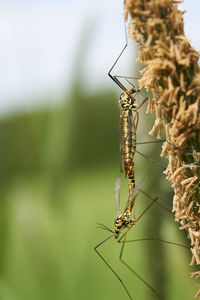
(129, 118)
(122, 224)
(128, 125)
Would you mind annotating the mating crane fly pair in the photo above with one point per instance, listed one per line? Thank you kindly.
(129, 118)
(128, 126)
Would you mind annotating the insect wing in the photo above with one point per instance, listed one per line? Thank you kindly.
(117, 193)
(121, 142)
(131, 200)
(139, 98)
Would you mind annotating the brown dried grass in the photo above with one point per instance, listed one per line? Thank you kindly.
(172, 74)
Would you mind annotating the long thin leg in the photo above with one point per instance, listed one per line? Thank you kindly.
(148, 196)
(156, 239)
(114, 272)
(131, 204)
(142, 103)
(114, 78)
(143, 143)
(136, 123)
(122, 248)
(125, 77)
(191, 165)
(151, 159)
(150, 142)
(133, 271)
(146, 209)
(124, 236)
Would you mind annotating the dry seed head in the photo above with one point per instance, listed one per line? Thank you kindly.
(172, 74)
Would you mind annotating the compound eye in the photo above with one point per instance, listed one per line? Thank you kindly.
(121, 96)
(116, 222)
(116, 234)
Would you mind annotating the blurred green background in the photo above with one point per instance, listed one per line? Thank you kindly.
(58, 168)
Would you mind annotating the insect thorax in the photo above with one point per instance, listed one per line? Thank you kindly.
(127, 101)
(122, 221)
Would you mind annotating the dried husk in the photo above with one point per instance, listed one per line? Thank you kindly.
(172, 75)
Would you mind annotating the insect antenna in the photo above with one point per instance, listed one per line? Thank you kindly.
(102, 226)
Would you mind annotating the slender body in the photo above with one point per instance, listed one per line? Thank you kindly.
(124, 222)
(128, 137)
(129, 117)
(128, 124)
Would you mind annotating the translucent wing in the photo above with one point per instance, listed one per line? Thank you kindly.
(131, 198)
(139, 98)
(121, 142)
(117, 193)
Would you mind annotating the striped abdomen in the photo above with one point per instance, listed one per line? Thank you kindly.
(129, 138)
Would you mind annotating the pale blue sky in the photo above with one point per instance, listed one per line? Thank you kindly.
(40, 38)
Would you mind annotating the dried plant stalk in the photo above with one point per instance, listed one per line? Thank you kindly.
(172, 74)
